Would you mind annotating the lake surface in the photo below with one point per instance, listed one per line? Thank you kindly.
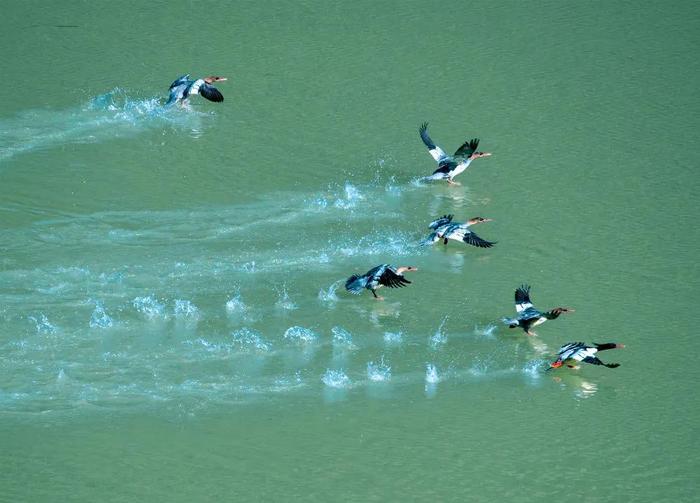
(173, 325)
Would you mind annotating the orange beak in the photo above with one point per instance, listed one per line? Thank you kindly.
(556, 364)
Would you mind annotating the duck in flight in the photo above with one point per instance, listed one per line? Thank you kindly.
(184, 87)
(528, 316)
(443, 228)
(449, 167)
(572, 353)
(377, 277)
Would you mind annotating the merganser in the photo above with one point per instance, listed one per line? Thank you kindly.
(528, 316)
(575, 352)
(449, 167)
(184, 87)
(382, 275)
(444, 229)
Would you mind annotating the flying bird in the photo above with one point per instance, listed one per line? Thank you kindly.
(449, 167)
(528, 316)
(382, 275)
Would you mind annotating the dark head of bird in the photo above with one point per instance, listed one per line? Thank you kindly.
(214, 78)
(561, 310)
(478, 220)
(476, 155)
(407, 268)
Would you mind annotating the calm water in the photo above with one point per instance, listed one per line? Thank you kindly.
(172, 320)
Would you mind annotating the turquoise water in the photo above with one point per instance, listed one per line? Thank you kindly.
(172, 319)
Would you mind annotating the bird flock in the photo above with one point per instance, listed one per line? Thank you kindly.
(443, 229)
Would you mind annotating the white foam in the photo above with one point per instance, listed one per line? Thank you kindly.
(336, 379)
(379, 371)
(149, 306)
(250, 339)
(43, 325)
(186, 309)
(393, 337)
(342, 338)
(300, 335)
(431, 374)
(100, 318)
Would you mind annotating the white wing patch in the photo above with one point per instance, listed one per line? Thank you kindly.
(437, 153)
(522, 307)
(195, 87)
(461, 167)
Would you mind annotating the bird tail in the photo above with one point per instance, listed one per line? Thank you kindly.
(355, 284)
(511, 322)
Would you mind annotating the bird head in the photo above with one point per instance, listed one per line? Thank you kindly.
(556, 364)
(479, 220)
(406, 268)
(214, 78)
(563, 310)
(476, 155)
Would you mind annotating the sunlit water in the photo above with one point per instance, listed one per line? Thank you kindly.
(173, 322)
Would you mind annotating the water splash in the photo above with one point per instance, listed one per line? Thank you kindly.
(43, 325)
(487, 332)
(100, 318)
(439, 337)
(378, 372)
(111, 115)
(329, 296)
(393, 337)
(247, 338)
(149, 307)
(300, 335)
(352, 196)
(235, 304)
(185, 309)
(336, 379)
(284, 301)
(342, 338)
(431, 374)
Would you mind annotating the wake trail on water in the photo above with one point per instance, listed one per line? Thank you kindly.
(114, 114)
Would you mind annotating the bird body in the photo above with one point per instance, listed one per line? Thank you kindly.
(572, 353)
(184, 87)
(450, 166)
(444, 228)
(377, 277)
(528, 316)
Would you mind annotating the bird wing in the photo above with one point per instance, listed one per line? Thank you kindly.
(180, 80)
(472, 239)
(210, 92)
(570, 349)
(393, 280)
(522, 298)
(593, 360)
(445, 166)
(438, 154)
(443, 220)
(467, 148)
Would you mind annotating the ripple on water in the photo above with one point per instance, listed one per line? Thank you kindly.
(149, 306)
(247, 338)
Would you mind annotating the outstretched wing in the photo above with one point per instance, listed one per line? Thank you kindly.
(443, 220)
(467, 148)
(438, 154)
(569, 350)
(392, 280)
(593, 360)
(210, 92)
(472, 239)
(522, 298)
(181, 80)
